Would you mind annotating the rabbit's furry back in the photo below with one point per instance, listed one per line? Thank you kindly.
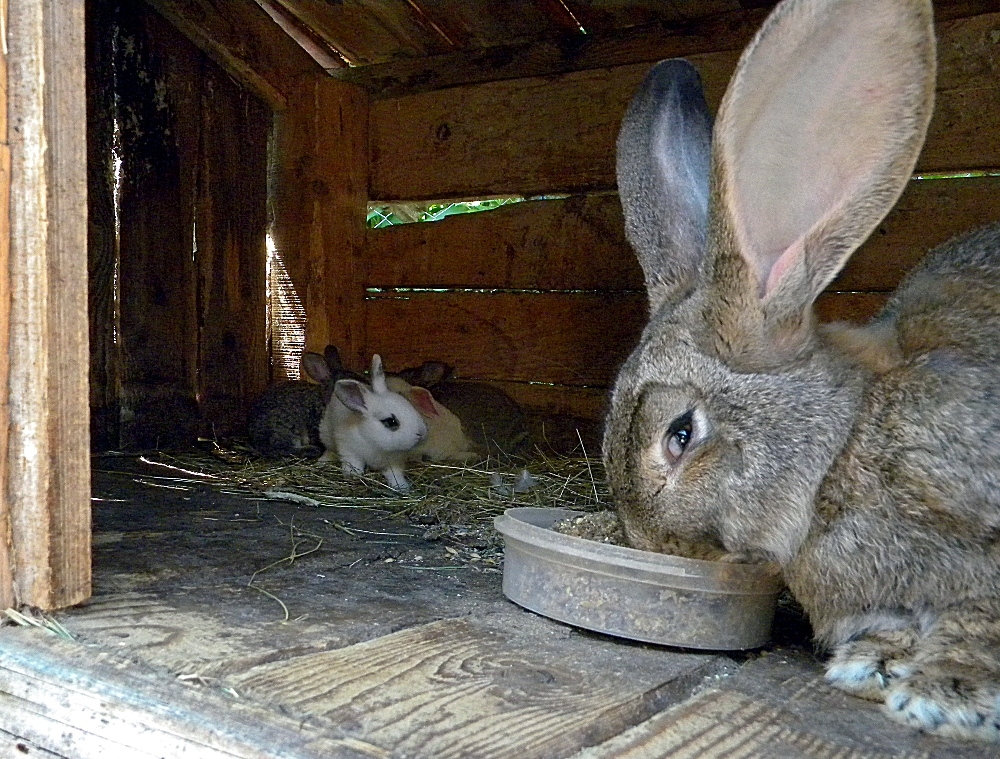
(865, 460)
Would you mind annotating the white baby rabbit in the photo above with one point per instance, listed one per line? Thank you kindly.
(866, 460)
(371, 427)
(446, 440)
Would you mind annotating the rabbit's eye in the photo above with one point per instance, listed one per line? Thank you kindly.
(391, 422)
(677, 437)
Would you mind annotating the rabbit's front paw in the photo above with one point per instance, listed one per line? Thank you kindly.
(867, 666)
(946, 705)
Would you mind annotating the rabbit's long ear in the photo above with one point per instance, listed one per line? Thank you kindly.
(314, 366)
(378, 375)
(663, 168)
(352, 394)
(815, 140)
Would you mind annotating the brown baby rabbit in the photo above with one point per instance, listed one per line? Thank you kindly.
(866, 460)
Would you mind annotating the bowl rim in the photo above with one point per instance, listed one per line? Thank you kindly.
(531, 525)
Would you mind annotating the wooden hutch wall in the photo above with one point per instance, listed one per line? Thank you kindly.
(180, 349)
(570, 304)
(544, 297)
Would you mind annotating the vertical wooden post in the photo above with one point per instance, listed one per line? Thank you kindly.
(48, 487)
(319, 198)
(6, 547)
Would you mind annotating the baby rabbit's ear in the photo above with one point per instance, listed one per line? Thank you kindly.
(352, 394)
(815, 140)
(423, 402)
(332, 357)
(314, 366)
(378, 375)
(663, 170)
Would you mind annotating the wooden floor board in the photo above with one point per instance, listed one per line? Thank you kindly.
(459, 687)
(777, 707)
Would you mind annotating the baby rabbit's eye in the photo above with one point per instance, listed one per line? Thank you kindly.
(391, 422)
(677, 437)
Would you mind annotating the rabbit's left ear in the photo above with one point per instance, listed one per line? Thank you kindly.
(314, 366)
(378, 375)
(663, 167)
(815, 140)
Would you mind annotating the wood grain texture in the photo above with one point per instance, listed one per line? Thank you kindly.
(571, 339)
(160, 143)
(928, 213)
(650, 42)
(230, 218)
(244, 41)
(529, 136)
(68, 393)
(720, 724)
(453, 689)
(579, 242)
(6, 548)
(78, 702)
(48, 455)
(318, 194)
(557, 133)
(576, 243)
(188, 351)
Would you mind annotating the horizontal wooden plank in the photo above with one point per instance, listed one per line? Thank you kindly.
(77, 701)
(670, 33)
(557, 133)
(579, 242)
(574, 243)
(649, 42)
(571, 339)
(456, 688)
(929, 212)
(583, 402)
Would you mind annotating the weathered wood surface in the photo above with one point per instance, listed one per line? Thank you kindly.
(87, 704)
(179, 298)
(378, 659)
(241, 38)
(778, 706)
(6, 553)
(557, 134)
(318, 193)
(579, 242)
(392, 646)
(567, 338)
(573, 244)
(456, 688)
(545, 57)
(157, 328)
(48, 457)
(230, 218)
(68, 393)
(102, 238)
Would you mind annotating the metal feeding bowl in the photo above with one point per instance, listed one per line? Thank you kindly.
(634, 594)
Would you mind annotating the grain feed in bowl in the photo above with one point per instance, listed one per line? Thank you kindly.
(605, 527)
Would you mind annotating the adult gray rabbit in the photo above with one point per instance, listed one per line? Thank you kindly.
(866, 460)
